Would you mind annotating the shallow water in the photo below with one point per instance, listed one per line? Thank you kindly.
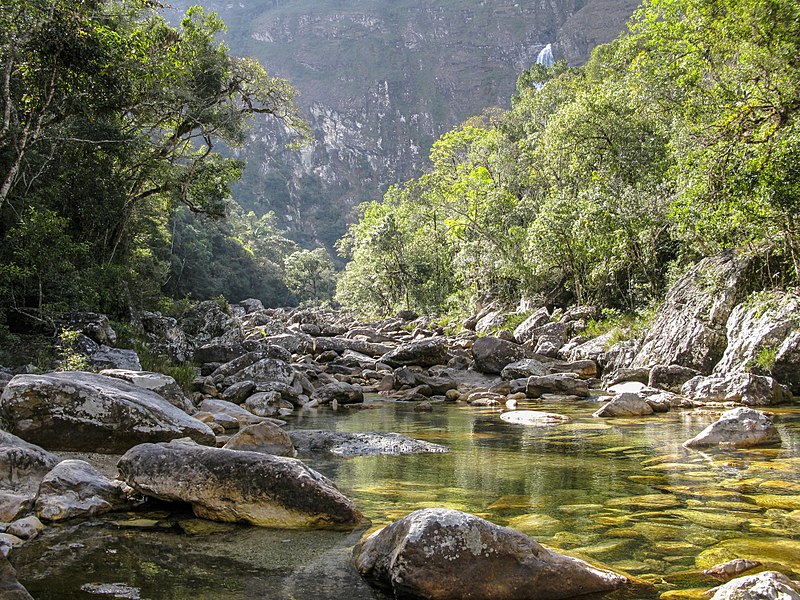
(622, 492)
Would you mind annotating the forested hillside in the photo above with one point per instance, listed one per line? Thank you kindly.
(379, 81)
(111, 121)
(602, 182)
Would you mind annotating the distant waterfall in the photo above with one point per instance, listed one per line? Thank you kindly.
(545, 56)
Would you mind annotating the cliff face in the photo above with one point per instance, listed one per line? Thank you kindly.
(380, 80)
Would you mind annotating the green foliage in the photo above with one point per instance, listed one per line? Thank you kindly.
(621, 326)
(309, 274)
(764, 360)
(110, 118)
(68, 356)
(674, 141)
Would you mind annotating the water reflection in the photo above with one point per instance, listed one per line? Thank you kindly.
(620, 491)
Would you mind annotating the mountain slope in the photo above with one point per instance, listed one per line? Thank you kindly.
(380, 80)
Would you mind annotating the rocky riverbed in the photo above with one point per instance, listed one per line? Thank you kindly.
(224, 452)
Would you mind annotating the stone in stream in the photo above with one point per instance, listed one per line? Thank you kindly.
(85, 411)
(234, 411)
(768, 585)
(740, 427)
(534, 417)
(359, 444)
(74, 488)
(262, 437)
(342, 393)
(527, 367)
(560, 383)
(442, 554)
(625, 405)
(233, 485)
(733, 568)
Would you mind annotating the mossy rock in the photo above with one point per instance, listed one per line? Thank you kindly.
(776, 501)
(646, 501)
(712, 520)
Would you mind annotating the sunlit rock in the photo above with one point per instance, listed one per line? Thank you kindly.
(440, 554)
(769, 585)
(232, 485)
(739, 428)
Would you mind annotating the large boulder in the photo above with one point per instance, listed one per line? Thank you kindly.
(106, 357)
(233, 485)
(767, 585)
(263, 437)
(340, 392)
(340, 443)
(163, 385)
(670, 377)
(234, 411)
(425, 353)
(527, 367)
(524, 330)
(740, 388)
(441, 554)
(740, 427)
(492, 354)
(74, 488)
(764, 336)
(558, 383)
(625, 405)
(22, 464)
(690, 327)
(89, 412)
(10, 588)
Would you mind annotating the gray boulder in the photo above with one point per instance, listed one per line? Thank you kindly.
(441, 554)
(740, 388)
(230, 410)
(268, 404)
(689, 329)
(163, 385)
(266, 369)
(73, 489)
(767, 585)
(115, 358)
(740, 427)
(670, 377)
(85, 411)
(559, 383)
(339, 391)
(10, 588)
(492, 354)
(263, 437)
(425, 353)
(524, 330)
(527, 367)
(233, 485)
(490, 321)
(23, 465)
(309, 441)
(625, 405)
(764, 336)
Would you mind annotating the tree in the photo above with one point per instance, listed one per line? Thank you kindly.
(310, 275)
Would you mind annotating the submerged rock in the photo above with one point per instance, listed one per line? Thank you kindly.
(442, 554)
(739, 428)
(359, 444)
(728, 570)
(769, 585)
(231, 485)
(534, 417)
(84, 411)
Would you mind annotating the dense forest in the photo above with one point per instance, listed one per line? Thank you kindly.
(115, 165)
(604, 182)
(599, 185)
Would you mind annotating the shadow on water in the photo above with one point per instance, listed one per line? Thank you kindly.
(620, 492)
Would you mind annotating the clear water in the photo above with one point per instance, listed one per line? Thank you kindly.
(621, 492)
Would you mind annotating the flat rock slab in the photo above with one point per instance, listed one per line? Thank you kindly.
(232, 485)
(89, 412)
(442, 554)
(535, 418)
(359, 444)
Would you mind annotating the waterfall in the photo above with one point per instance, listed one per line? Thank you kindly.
(545, 56)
